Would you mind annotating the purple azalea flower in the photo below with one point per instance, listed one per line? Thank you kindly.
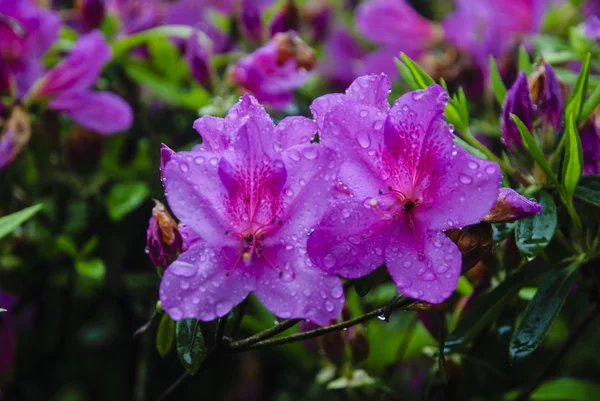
(342, 58)
(510, 206)
(538, 102)
(163, 240)
(591, 27)
(7, 333)
(396, 27)
(250, 18)
(272, 72)
(198, 60)
(137, 15)
(249, 192)
(484, 28)
(26, 33)
(590, 143)
(68, 84)
(406, 181)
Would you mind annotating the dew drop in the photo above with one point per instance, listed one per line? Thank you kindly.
(294, 155)
(337, 292)
(183, 269)
(175, 313)
(465, 179)
(364, 113)
(329, 306)
(184, 284)
(310, 153)
(222, 308)
(428, 276)
(184, 166)
(329, 261)
(213, 161)
(199, 160)
(363, 139)
(473, 165)
(406, 264)
(490, 169)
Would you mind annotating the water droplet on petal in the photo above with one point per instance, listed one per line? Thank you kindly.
(222, 308)
(428, 276)
(199, 160)
(465, 179)
(184, 167)
(473, 165)
(183, 269)
(329, 306)
(337, 292)
(310, 153)
(184, 284)
(214, 161)
(329, 261)
(490, 169)
(363, 139)
(175, 313)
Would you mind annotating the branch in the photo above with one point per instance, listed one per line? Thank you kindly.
(564, 348)
(397, 303)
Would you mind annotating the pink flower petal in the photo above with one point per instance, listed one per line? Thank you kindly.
(196, 194)
(198, 284)
(350, 240)
(293, 131)
(424, 265)
(464, 195)
(102, 112)
(299, 290)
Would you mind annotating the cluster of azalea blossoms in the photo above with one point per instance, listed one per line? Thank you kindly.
(274, 212)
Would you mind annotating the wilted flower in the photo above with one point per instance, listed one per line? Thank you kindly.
(15, 136)
(274, 71)
(396, 27)
(407, 181)
(510, 206)
(163, 240)
(249, 191)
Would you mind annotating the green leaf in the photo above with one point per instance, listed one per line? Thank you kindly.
(534, 233)
(67, 245)
(575, 102)
(541, 312)
(497, 84)
(534, 150)
(593, 100)
(125, 197)
(164, 54)
(524, 61)
(588, 190)
(12, 221)
(190, 344)
(420, 76)
(165, 31)
(91, 268)
(489, 306)
(573, 163)
(2, 310)
(406, 75)
(563, 389)
(165, 336)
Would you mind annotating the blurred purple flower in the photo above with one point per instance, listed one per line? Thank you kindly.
(248, 191)
(510, 206)
(272, 72)
(137, 15)
(396, 27)
(198, 60)
(163, 240)
(320, 19)
(251, 20)
(26, 33)
(408, 183)
(91, 13)
(518, 102)
(591, 27)
(342, 58)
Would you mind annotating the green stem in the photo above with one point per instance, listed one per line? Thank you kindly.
(167, 31)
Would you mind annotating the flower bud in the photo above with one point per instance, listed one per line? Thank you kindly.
(511, 206)
(91, 12)
(548, 94)
(359, 343)
(518, 102)
(163, 238)
(474, 242)
(15, 136)
(319, 17)
(250, 18)
(590, 143)
(286, 19)
(197, 58)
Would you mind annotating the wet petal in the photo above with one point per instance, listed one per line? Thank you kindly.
(350, 240)
(198, 285)
(196, 194)
(511, 206)
(463, 195)
(102, 112)
(293, 131)
(424, 265)
(297, 289)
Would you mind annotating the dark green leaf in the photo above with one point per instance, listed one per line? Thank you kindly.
(497, 84)
(190, 344)
(91, 268)
(573, 162)
(541, 312)
(420, 76)
(588, 189)
(364, 284)
(593, 100)
(67, 245)
(164, 54)
(524, 61)
(534, 150)
(125, 197)
(165, 336)
(575, 102)
(563, 389)
(534, 233)
(488, 307)
(12, 221)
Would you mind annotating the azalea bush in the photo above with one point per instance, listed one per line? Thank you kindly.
(299, 200)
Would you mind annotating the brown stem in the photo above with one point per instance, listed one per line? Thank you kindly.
(564, 348)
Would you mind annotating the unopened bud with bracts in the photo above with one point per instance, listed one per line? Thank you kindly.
(163, 239)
